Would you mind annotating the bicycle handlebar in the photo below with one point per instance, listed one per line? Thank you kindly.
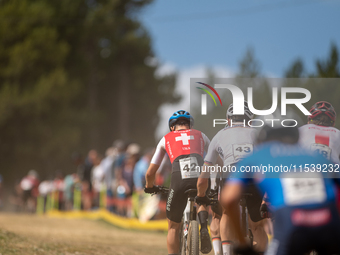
(156, 190)
(164, 190)
(205, 200)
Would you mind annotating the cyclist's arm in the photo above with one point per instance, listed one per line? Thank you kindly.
(203, 180)
(150, 175)
(206, 142)
(202, 184)
(155, 163)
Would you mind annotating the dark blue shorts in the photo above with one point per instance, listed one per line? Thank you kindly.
(299, 231)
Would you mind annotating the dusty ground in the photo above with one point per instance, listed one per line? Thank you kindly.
(30, 234)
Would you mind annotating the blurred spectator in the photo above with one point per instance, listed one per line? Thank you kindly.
(69, 183)
(133, 150)
(109, 176)
(58, 185)
(98, 181)
(125, 178)
(88, 165)
(139, 198)
(140, 170)
(45, 188)
(29, 184)
(120, 147)
(86, 196)
(86, 180)
(132, 156)
(163, 175)
(78, 161)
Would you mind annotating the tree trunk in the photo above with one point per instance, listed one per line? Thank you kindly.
(124, 102)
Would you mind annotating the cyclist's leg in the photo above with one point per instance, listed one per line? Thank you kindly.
(256, 222)
(226, 234)
(203, 219)
(205, 237)
(260, 236)
(175, 206)
(225, 229)
(215, 233)
(173, 237)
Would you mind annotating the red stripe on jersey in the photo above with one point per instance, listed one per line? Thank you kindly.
(322, 139)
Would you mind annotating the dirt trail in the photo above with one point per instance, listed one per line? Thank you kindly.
(30, 234)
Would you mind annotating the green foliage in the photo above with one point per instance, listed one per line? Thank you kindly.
(74, 76)
(295, 70)
(249, 67)
(329, 68)
(321, 89)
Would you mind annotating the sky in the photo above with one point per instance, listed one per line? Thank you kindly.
(189, 35)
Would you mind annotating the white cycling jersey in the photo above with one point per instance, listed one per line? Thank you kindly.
(231, 144)
(325, 140)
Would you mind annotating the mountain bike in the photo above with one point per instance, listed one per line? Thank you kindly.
(213, 194)
(244, 219)
(189, 234)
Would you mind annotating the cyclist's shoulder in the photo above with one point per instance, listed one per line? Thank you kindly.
(192, 130)
(234, 133)
(238, 128)
(196, 132)
(218, 136)
(161, 141)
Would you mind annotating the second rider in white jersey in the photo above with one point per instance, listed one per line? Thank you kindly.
(231, 144)
(320, 134)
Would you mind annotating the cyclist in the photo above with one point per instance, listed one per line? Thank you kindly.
(320, 134)
(303, 204)
(231, 144)
(185, 147)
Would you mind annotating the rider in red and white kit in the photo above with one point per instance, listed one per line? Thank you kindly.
(320, 134)
(185, 147)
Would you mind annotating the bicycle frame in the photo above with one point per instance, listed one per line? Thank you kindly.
(189, 214)
(244, 221)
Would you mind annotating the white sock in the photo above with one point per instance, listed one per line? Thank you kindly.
(226, 246)
(216, 241)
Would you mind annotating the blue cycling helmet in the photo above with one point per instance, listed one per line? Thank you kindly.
(180, 115)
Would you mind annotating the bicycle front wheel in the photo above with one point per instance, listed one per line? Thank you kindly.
(193, 239)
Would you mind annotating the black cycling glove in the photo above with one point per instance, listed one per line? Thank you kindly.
(202, 200)
(152, 190)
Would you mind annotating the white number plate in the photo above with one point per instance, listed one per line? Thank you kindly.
(189, 168)
(242, 150)
(298, 191)
(322, 149)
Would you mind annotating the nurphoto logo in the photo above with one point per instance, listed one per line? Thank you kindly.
(238, 100)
